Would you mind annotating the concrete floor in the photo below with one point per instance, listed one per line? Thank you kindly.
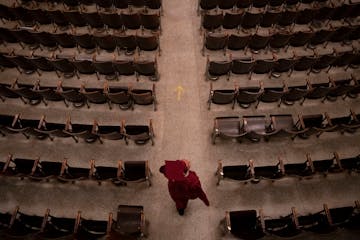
(183, 127)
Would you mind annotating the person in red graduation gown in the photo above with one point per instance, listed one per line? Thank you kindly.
(183, 184)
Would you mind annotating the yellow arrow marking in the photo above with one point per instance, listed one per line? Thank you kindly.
(179, 90)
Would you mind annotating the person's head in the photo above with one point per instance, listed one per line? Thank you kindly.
(187, 165)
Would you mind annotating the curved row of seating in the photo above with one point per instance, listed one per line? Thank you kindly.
(247, 19)
(246, 96)
(127, 19)
(229, 4)
(37, 169)
(153, 4)
(81, 65)
(276, 66)
(124, 97)
(20, 225)
(307, 169)
(42, 129)
(278, 126)
(129, 43)
(250, 224)
(279, 39)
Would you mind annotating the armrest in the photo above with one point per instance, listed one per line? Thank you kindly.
(357, 204)
(142, 222)
(301, 121)
(36, 163)
(59, 87)
(92, 167)
(123, 126)
(63, 166)
(16, 118)
(252, 169)
(151, 127)
(310, 163)
(281, 165)
(147, 169)
(328, 119)
(337, 159)
(77, 221)
(95, 127)
(309, 85)
(42, 119)
(120, 170)
(68, 126)
(109, 224)
(227, 221)
(106, 88)
(327, 213)
(294, 217)
(36, 85)
(219, 172)
(262, 219)
(13, 217)
(45, 219)
(353, 114)
(8, 160)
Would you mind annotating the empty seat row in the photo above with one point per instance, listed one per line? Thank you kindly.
(276, 66)
(129, 43)
(279, 126)
(244, 20)
(152, 4)
(279, 39)
(130, 222)
(37, 169)
(307, 169)
(246, 96)
(229, 4)
(250, 224)
(42, 129)
(68, 67)
(75, 18)
(124, 97)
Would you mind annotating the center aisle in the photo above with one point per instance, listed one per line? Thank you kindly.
(185, 132)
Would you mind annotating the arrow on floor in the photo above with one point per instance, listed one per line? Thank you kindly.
(179, 90)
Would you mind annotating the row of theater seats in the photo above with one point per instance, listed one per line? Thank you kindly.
(42, 129)
(278, 126)
(248, 224)
(246, 96)
(229, 4)
(129, 43)
(279, 39)
(212, 20)
(84, 65)
(308, 168)
(100, 20)
(124, 97)
(36, 169)
(276, 66)
(130, 222)
(153, 4)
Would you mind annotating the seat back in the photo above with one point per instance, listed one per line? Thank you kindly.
(229, 125)
(130, 220)
(271, 94)
(245, 224)
(237, 42)
(219, 68)
(142, 96)
(223, 96)
(239, 172)
(248, 95)
(134, 170)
